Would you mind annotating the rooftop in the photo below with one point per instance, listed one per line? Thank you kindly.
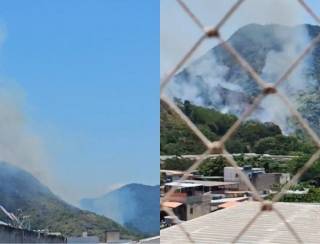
(231, 199)
(173, 172)
(151, 240)
(183, 184)
(168, 204)
(211, 183)
(224, 225)
(228, 204)
(196, 183)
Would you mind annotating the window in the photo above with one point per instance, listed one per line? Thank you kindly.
(191, 210)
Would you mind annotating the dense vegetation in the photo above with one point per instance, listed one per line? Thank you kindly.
(252, 136)
(313, 195)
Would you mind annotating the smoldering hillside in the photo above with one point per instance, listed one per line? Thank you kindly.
(217, 80)
(135, 206)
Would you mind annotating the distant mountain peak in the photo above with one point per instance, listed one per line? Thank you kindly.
(20, 190)
(217, 79)
(127, 205)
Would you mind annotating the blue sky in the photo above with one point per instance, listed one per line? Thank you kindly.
(89, 71)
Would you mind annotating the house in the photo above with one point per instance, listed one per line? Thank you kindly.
(261, 180)
(193, 198)
(189, 200)
(174, 175)
(83, 239)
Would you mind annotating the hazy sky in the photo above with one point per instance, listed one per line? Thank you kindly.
(179, 33)
(88, 72)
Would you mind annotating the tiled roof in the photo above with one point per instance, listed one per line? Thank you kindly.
(228, 204)
(224, 225)
(171, 204)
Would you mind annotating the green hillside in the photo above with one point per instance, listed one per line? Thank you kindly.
(252, 136)
(20, 190)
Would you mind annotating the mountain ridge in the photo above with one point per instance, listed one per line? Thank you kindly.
(269, 49)
(135, 205)
(20, 190)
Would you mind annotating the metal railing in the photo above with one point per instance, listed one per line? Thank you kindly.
(217, 147)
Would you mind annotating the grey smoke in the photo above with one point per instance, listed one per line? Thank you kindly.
(19, 144)
(211, 74)
(178, 33)
(206, 74)
(277, 62)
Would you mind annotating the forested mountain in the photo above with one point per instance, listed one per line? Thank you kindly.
(216, 80)
(20, 190)
(136, 206)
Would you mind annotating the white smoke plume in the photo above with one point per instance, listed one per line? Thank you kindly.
(211, 75)
(19, 145)
(178, 33)
(276, 63)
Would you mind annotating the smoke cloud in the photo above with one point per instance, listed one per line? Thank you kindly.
(207, 75)
(19, 145)
(178, 33)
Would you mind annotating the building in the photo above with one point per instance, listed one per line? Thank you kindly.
(174, 175)
(193, 198)
(10, 234)
(190, 189)
(231, 174)
(216, 203)
(189, 201)
(112, 235)
(83, 239)
(261, 180)
(199, 187)
(225, 225)
(186, 207)
(215, 187)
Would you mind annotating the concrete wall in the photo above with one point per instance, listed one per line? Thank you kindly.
(196, 209)
(12, 235)
(266, 181)
(112, 236)
(230, 174)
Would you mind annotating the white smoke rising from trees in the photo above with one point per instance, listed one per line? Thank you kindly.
(178, 33)
(276, 62)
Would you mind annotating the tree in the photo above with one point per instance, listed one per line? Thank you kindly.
(187, 108)
(177, 163)
(213, 166)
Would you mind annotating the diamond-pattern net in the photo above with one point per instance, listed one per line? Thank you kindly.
(267, 89)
